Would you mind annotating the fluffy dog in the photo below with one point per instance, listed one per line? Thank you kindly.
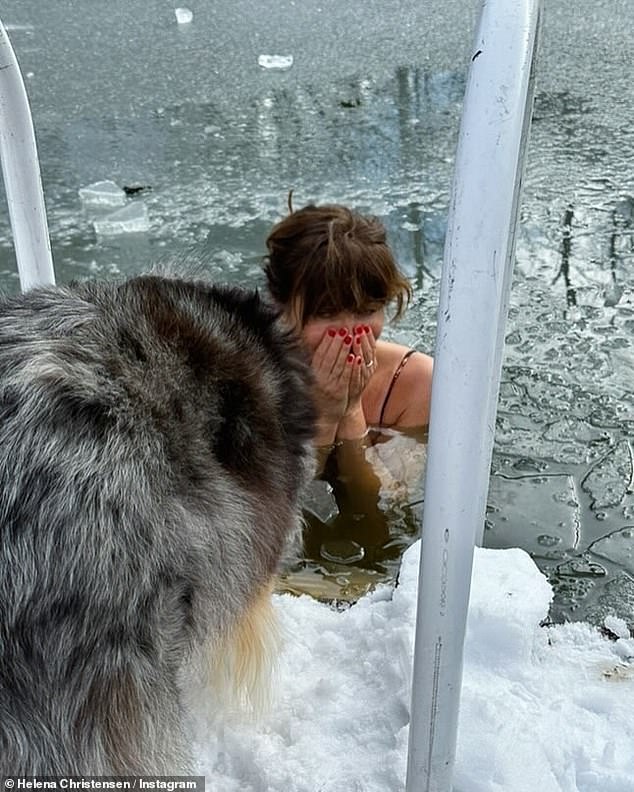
(154, 441)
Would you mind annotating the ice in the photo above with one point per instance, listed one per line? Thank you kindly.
(539, 512)
(616, 626)
(342, 551)
(320, 500)
(132, 219)
(278, 62)
(617, 599)
(183, 16)
(102, 193)
(617, 547)
(609, 480)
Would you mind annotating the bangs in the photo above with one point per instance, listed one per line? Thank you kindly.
(347, 275)
(358, 293)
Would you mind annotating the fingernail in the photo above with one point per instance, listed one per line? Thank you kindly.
(332, 333)
(347, 340)
(357, 340)
(358, 329)
(359, 361)
(366, 328)
(343, 332)
(350, 359)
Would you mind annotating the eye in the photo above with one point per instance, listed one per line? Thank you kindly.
(368, 313)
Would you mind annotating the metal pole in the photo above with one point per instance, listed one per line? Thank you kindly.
(474, 296)
(21, 170)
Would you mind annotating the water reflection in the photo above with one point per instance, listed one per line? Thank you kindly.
(564, 270)
(218, 166)
(619, 236)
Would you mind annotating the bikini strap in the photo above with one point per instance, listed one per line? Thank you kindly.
(399, 368)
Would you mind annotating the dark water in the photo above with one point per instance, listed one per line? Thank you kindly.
(349, 549)
(368, 115)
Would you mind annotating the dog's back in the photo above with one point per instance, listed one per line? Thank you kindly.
(154, 437)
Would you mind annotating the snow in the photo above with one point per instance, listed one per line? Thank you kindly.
(543, 708)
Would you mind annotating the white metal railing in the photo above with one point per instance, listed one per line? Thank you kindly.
(475, 286)
(21, 170)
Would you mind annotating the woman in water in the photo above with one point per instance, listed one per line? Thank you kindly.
(333, 275)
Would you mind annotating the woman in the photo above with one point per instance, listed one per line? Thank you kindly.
(333, 275)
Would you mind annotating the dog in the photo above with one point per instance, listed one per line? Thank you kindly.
(155, 439)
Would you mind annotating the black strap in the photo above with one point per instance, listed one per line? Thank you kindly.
(399, 368)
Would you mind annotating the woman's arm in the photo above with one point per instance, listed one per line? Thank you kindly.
(356, 486)
(362, 485)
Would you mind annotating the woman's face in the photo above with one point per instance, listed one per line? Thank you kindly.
(316, 327)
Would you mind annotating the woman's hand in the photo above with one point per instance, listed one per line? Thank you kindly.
(332, 366)
(343, 363)
(363, 368)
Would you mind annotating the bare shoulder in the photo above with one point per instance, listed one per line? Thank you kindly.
(410, 378)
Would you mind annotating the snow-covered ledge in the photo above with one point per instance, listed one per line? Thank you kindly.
(543, 708)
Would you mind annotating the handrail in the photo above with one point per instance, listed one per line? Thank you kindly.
(475, 287)
(21, 170)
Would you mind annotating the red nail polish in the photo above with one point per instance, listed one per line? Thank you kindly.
(343, 332)
(350, 359)
(332, 333)
(357, 340)
(366, 328)
(359, 361)
(358, 329)
(347, 340)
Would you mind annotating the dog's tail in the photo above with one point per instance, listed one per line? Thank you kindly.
(240, 664)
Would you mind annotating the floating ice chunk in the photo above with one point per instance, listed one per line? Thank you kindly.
(617, 546)
(183, 16)
(132, 219)
(616, 626)
(320, 500)
(542, 511)
(102, 193)
(609, 480)
(342, 551)
(279, 62)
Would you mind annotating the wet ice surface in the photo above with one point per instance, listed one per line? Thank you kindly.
(566, 414)
(372, 121)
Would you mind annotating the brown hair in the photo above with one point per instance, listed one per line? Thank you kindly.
(333, 260)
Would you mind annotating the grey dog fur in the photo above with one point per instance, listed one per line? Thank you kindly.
(154, 439)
